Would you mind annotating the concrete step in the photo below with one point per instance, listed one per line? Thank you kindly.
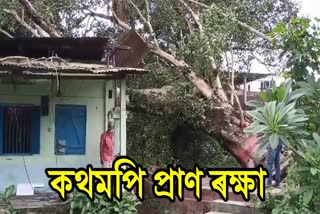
(209, 195)
(234, 207)
(214, 212)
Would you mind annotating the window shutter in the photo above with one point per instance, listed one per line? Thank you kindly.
(35, 131)
(70, 128)
(1, 128)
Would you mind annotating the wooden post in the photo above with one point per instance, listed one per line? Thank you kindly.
(245, 90)
(123, 119)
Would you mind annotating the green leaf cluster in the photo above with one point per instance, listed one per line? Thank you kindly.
(6, 199)
(80, 204)
(300, 39)
(276, 118)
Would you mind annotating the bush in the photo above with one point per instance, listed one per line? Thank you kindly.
(160, 140)
(81, 204)
(6, 199)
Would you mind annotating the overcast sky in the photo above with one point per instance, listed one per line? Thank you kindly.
(309, 8)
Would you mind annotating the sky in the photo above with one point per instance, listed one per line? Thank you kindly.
(309, 8)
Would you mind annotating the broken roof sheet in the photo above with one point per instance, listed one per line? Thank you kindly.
(134, 56)
(49, 67)
(90, 49)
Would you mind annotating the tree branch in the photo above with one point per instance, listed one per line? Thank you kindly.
(146, 21)
(231, 75)
(210, 118)
(22, 22)
(5, 33)
(122, 24)
(242, 24)
(184, 69)
(32, 12)
(194, 16)
(199, 4)
(238, 103)
(113, 18)
(42, 32)
(100, 15)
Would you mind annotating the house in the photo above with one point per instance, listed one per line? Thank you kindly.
(250, 84)
(56, 97)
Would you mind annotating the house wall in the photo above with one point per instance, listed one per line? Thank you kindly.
(256, 84)
(77, 92)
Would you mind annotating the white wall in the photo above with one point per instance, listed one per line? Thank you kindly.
(256, 85)
(81, 92)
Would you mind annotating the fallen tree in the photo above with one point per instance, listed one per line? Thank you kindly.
(213, 112)
(218, 122)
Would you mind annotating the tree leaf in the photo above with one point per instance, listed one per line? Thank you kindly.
(274, 141)
(307, 197)
(313, 171)
(254, 103)
(9, 191)
(258, 116)
(288, 87)
(297, 94)
(285, 110)
(316, 137)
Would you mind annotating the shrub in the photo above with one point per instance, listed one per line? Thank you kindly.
(81, 204)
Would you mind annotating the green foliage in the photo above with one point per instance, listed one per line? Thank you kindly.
(269, 204)
(283, 93)
(301, 39)
(274, 94)
(302, 194)
(155, 140)
(149, 138)
(311, 103)
(277, 118)
(80, 204)
(6, 199)
(159, 77)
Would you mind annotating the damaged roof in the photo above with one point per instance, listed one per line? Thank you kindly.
(134, 56)
(54, 66)
(90, 49)
(128, 53)
(72, 57)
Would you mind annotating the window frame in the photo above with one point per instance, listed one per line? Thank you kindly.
(35, 146)
(85, 133)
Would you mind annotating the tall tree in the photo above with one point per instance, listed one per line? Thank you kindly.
(191, 38)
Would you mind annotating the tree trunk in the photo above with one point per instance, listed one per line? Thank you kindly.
(219, 122)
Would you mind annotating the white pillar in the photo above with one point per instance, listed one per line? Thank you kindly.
(245, 90)
(123, 119)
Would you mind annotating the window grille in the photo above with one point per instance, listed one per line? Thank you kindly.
(17, 122)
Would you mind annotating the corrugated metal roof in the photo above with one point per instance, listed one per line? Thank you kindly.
(250, 77)
(70, 69)
(69, 48)
(128, 53)
(134, 56)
